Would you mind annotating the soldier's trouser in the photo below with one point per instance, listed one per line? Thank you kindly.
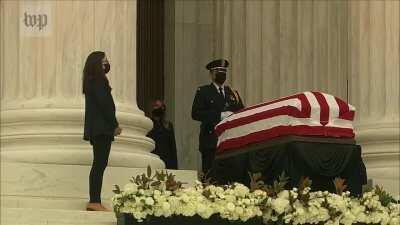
(207, 160)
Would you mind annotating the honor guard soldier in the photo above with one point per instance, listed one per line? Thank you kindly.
(212, 103)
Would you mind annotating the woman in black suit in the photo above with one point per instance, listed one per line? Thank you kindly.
(163, 136)
(101, 125)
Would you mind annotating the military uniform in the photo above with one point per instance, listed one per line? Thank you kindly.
(207, 107)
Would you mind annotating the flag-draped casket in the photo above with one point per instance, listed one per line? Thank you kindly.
(307, 134)
(304, 114)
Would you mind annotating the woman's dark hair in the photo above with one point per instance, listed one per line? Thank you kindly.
(93, 69)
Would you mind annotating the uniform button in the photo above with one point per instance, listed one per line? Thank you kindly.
(210, 132)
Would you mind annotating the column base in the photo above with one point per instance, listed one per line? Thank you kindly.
(381, 153)
(55, 136)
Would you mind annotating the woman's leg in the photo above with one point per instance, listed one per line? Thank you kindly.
(101, 151)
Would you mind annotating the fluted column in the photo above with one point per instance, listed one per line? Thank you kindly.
(42, 104)
(346, 48)
(374, 36)
(278, 48)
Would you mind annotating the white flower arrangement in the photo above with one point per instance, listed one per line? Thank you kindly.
(161, 196)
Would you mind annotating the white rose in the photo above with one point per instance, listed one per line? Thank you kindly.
(148, 192)
(279, 205)
(149, 201)
(201, 208)
(188, 210)
(239, 210)
(230, 198)
(157, 192)
(241, 190)
(230, 206)
(219, 190)
(395, 221)
(221, 195)
(284, 194)
(166, 206)
(348, 218)
(185, 198)
(259, 193)
(130, 188)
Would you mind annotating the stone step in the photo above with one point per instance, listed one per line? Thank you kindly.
(47, 202)
(25, 185)
(28, 216)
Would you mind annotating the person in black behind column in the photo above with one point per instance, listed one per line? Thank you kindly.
(163, 136)
(211, 104)
(101, 125)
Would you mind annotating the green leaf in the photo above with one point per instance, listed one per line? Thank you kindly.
(155, 183)
(148, 171)
(384, 197)
(116, 189)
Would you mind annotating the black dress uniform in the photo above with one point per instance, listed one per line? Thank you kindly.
(207, 107)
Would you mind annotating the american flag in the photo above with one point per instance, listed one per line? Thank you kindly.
(305, 114)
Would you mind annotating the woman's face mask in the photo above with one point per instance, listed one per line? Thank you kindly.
(106, 67)
(158, 112)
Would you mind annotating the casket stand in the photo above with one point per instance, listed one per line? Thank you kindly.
(322, 159)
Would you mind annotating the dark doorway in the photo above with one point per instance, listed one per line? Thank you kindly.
(150, 52)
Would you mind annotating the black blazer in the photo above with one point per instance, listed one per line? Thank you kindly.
(165, 145)
(99, 110)
(207, 107)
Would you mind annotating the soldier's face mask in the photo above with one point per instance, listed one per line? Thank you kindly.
(220, 77)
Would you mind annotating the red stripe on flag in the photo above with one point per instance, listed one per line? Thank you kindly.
(324, 114)
(348, 116)
(305, 106)
(344, 110)
(264, 135)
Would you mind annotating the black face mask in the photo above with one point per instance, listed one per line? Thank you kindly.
(220, 78)
(158, 112)
(107, 67)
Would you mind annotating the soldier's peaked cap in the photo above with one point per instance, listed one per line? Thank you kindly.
(219, 64)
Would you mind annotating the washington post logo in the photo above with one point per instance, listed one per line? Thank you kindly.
(35, 21)
(35, 18)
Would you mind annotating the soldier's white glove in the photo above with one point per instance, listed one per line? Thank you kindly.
(225, 114)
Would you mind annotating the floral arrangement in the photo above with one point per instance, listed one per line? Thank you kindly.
(160, 195)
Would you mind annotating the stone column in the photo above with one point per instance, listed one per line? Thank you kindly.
(189, 47)
(348, 49)
(277, 48)
(374, 37)
(42, 106)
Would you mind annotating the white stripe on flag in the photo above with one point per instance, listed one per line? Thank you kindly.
(295, 102)
(315, 107)
(333, 108)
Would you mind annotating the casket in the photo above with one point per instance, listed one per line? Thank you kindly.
(309, 134)
(309, 114)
